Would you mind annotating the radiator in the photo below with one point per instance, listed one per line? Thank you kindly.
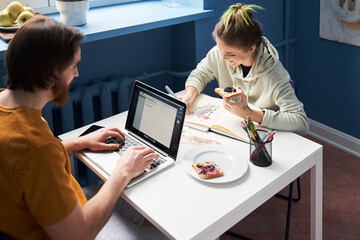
(87, 104)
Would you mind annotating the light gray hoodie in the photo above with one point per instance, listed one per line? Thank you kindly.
(266, 86)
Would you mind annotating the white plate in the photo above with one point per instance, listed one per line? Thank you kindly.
(12, 28)
(233, 163)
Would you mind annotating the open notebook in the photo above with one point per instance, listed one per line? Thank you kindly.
(208, 114)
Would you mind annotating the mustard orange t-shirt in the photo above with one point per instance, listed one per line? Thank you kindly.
(36, 185)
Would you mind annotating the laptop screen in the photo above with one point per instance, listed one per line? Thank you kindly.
(156, 117)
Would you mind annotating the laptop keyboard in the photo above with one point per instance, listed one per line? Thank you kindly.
(130, 142)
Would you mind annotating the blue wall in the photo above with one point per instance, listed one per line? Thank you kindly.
(325, 71)
(328, 73)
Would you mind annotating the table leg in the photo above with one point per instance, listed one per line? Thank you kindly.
(316, 197)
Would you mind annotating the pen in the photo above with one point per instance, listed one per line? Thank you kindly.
(253, 130)
(170, 92)
(265, 136)
(262, 140)
(258, 145)
(245, 129)
(271, 135)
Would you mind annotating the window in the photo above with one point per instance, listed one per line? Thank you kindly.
(48, 6)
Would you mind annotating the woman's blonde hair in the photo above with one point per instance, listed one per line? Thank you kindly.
(238, 28)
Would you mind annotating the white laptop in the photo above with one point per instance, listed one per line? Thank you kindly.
(154, 120)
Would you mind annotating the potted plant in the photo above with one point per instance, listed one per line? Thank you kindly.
(73, 12)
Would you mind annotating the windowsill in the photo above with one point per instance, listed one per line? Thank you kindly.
(117, 20)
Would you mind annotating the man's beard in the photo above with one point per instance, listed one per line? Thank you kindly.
(61, 92)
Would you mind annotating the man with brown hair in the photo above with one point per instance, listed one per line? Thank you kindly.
(39, 198)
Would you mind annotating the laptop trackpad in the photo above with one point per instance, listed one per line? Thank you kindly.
(106, 161)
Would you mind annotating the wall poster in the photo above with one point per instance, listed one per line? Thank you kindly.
(340, 21)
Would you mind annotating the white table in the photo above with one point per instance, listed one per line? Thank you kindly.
(185, 208)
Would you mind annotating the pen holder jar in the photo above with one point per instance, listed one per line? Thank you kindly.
(261, 152)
